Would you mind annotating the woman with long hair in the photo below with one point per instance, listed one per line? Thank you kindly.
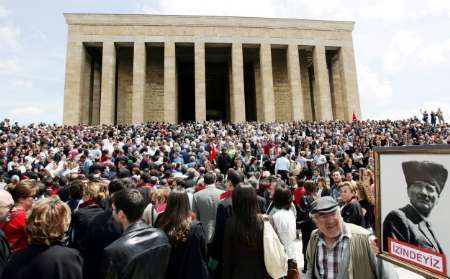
(46, 257)
(366, 176)
(306, 224)
(188, 257)
(243, 255)
(285, 225)
(322, 187)
(24, 195)
(367, 201)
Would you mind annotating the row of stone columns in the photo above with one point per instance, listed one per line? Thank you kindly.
(322, 96)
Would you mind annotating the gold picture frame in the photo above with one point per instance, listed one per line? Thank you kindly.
(391, 158)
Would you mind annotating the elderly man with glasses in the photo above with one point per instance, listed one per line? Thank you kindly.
(6, 205)
(338, 249)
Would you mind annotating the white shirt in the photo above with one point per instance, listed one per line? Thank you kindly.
(320, 159)
(285, 226)
(282, 163)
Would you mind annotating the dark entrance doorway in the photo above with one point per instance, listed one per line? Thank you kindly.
(185, 82)
(251, 58)
(217, 83)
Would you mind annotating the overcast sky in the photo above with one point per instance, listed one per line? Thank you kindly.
(402, 48)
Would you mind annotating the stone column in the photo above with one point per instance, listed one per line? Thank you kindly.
(322, 95)
(108, 87)
(139, 63)
(349, 83)
(73, 84)
(237, 98)
(200, 83)
(170, 109)
(268, 100)
(295, 85)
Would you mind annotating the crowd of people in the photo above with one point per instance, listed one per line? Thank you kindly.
(192, 200)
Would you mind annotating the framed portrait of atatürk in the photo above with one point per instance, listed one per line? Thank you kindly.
(413, 207)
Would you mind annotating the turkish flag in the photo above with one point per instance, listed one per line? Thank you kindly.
(213, 154)
(354, 117)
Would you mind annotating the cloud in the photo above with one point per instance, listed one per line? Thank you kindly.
(29, 112)
(10, 65)
(407, 50)
(374, 90)
(3, 12)
(403, 46)
(265, 8)
(9, 38)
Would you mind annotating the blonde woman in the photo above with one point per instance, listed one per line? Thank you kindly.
(94, 194)
(45, 257)
(367, 201)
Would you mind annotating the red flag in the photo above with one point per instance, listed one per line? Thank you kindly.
(213, 154)
(354, 117)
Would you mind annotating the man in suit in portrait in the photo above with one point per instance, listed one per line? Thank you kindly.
(425, 181)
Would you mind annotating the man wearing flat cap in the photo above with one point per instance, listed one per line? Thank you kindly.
(425, 181)
(340, 250)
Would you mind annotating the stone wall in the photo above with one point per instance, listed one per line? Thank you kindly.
(154, 85)
(304, 75)
(124, 84)
(281, 90)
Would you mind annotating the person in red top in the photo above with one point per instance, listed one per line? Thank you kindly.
(297, 189)
(24, 195)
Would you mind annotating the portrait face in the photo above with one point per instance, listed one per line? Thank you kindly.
(329, 224)
(423, 196)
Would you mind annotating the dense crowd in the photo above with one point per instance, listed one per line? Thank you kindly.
(162, 200)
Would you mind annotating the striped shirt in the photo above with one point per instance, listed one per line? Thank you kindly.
(329, 258)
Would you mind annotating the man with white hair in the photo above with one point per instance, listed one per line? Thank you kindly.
(6, 204)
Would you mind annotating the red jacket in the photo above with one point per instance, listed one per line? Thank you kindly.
(15, 230)
(298, 194)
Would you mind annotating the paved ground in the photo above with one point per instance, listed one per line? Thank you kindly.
(402, 273)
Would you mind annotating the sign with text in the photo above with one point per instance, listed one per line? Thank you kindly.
(418, 256)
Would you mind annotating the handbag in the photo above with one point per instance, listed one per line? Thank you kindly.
(275, 258)
(292, 270)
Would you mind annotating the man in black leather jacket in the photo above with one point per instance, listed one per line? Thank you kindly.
(142, 251)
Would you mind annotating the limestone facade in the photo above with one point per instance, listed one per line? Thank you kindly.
(135, 68)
